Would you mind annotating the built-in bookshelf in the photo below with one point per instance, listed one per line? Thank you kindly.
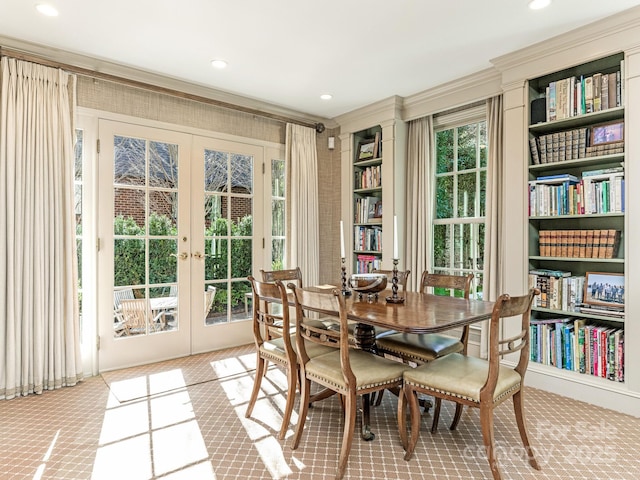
(367, 200)
(576, 208)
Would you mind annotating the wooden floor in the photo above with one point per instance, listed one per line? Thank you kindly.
(184, 419)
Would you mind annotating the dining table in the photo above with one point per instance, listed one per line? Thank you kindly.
(417, 313)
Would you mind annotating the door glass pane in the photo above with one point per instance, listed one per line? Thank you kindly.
(216, 173)
(128, 262)
(216, 266)
(240, 296)
(129, 163)
(162, 265)
(129, 210)
(241, 260)
(241, 220)
(242, 173)
(163, 165)
(218, 312)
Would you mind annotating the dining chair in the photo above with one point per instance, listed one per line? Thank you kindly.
(136, 315)
(209, 297)
(475, 382)
(119, 295)
(423, 348)
(347, 371)
(291, 274)
(280, 350)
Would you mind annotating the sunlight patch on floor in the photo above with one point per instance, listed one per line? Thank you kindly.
(152, 435)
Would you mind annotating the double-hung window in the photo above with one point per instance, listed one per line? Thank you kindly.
(460, 171)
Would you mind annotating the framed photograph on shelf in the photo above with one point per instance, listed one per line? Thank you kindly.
(365, 150)
(607, 133)
(606, 289)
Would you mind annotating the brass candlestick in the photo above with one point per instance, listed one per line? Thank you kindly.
(345, 291)
(394, 298)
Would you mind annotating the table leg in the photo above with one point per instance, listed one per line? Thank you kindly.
(365, 338)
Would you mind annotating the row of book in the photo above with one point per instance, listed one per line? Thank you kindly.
(558, 289)
(370, 177)
(598, 191)
(575, 96)
(596, 243)
(574, 344)
(367, 209)
(569, 145)
(368, 263)
(367, 238)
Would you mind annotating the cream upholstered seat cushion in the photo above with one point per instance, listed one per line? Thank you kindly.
(422, 348)
(369, 369)
(274, 348)
(461, 376)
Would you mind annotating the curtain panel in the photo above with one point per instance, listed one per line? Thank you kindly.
(493, 240)
(39, 319)
(303, 245)
(418, 244)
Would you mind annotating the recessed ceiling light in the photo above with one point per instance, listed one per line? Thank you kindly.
(218, 63)
(47, 10)
(326, 96)
(538, 4)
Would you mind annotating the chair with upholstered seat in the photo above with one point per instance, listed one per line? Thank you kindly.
(475, 382)
(280, 350)
(423, 348)
(347, 371)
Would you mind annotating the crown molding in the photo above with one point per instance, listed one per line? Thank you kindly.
(462, 91)
(143, 77)
(612, 34)
(389, 109)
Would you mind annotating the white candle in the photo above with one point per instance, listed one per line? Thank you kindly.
(342, 255)
(395, 237)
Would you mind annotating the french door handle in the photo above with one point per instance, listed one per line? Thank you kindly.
(201, 255)
(181, 256)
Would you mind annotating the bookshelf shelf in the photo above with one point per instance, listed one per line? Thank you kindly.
(570, 171)
(580, 314)
(578, 121)
(573, 259)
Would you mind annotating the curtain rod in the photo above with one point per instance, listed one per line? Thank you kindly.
(318, 127)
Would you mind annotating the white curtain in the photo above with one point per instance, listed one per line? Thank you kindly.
(493, 239)
(302, 197)
(39, 325)
(418, 198)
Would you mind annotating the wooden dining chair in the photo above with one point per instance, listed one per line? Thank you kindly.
(475, 382)
(280, 350)
(347, 371)
(285, 276)
(423, 348)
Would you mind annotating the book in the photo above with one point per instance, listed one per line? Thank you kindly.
(545, 272)
(559, 178)
(535, 155)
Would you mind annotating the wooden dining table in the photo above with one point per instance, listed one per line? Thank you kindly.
(418, 313)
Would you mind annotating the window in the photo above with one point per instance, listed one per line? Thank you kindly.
(278, 225)
(78, 191)
(460, 190)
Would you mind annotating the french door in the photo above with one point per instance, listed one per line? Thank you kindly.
(177, 238)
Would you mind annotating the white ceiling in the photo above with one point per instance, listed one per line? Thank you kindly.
(288, 52)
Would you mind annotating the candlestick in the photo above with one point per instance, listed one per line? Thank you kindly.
(342, 255)
(345, 291)
(394, 298)
(395, 238)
